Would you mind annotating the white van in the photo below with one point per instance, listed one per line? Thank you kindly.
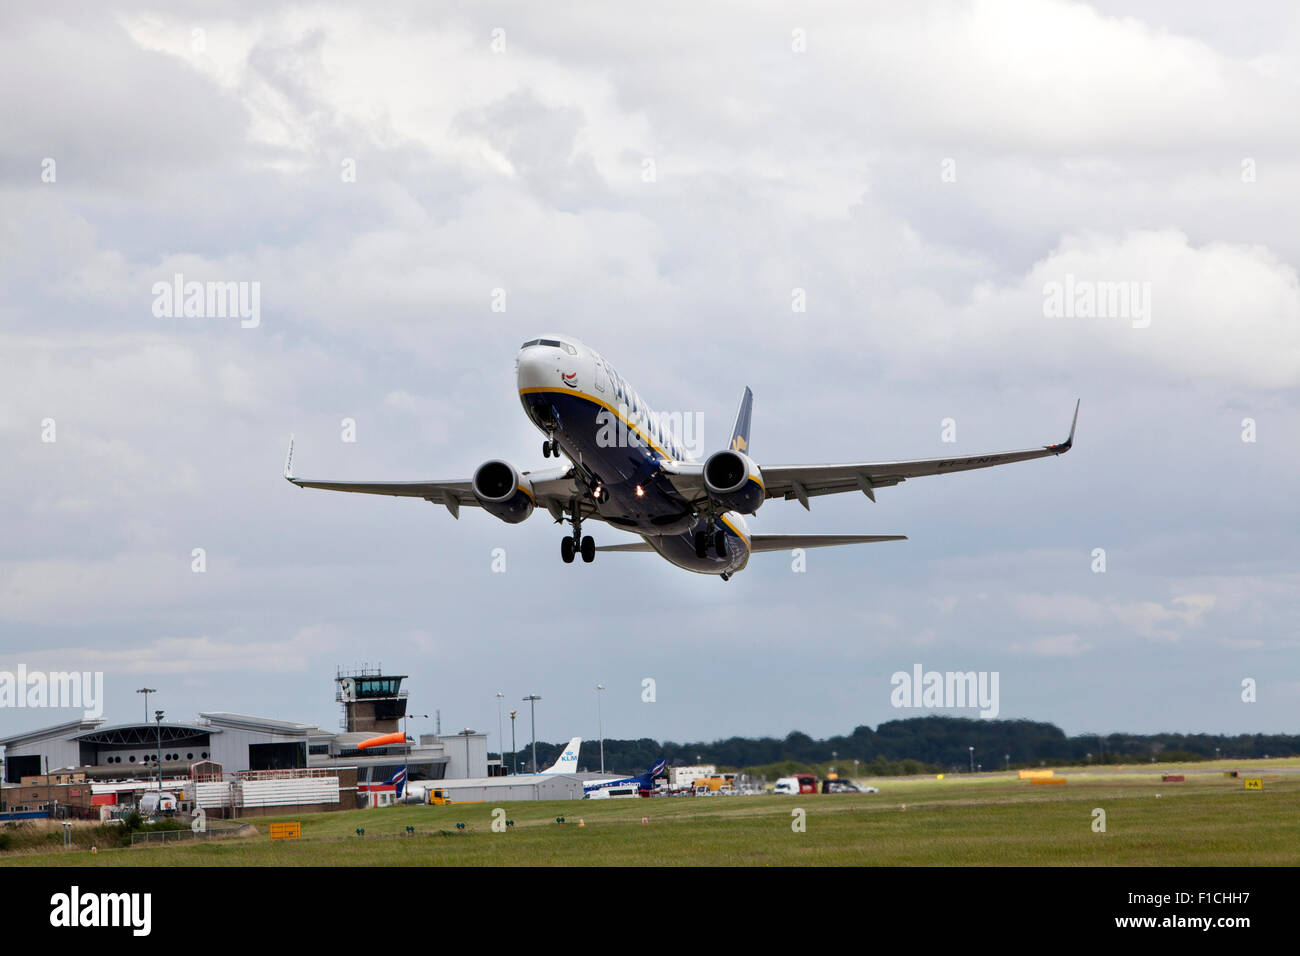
(787, 785)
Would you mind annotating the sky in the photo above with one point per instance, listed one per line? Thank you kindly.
(863, 212)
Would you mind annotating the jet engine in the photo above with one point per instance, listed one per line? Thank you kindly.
(503, 491)
(734, 481)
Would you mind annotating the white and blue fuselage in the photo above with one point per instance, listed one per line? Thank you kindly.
(576, 397)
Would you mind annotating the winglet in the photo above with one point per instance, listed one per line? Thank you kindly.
(288, 461)
(1069, 442)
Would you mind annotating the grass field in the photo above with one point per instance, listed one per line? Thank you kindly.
(980, 819)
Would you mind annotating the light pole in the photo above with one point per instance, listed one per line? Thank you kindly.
(514, 751)
(158, 716)
(972, 758)
(147, 691)
(834, 756)
(466, 733)
(501, 736)
(532, 707)
(600, 727)
(405, 734)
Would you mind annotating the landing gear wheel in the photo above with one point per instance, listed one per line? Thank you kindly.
(546, 449)
(588, 550)
(701, 544)
(566, 549)
(720, 543)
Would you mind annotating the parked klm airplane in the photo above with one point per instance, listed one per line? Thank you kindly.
(627, 470)
(418, 790)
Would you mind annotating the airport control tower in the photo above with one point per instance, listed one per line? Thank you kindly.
(373, 702)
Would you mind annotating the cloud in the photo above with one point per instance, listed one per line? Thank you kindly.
(1151, 619)
(202, 654)
(1058, 645)
(1107, 148)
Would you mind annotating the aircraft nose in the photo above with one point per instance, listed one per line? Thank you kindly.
(535, 368)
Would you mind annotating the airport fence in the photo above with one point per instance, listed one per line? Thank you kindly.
(181, 836)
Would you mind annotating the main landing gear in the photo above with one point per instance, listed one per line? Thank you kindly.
(574, 544)
(550, 448)
(703, 540)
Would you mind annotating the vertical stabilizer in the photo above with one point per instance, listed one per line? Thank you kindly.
(568, 762)
(740, 430)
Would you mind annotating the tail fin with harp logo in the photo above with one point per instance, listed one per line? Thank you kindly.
(740, 430)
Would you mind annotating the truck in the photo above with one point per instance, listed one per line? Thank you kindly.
(153, 802)
(799, 783)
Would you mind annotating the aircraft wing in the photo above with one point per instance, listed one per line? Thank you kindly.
(552, 488)
(801, 482)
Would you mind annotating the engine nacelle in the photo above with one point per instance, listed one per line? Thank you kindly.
(734, 481)
(503, 492)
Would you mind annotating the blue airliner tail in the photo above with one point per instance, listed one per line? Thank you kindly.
(740, 430)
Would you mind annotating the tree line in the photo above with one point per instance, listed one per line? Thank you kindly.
(927, 743)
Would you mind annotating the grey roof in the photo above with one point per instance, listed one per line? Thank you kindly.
(56, 730)
(265, 724)
(144, 732)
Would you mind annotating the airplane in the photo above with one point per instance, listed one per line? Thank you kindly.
(568, 762)
(626, 469)
(418, 790)
(646, 781)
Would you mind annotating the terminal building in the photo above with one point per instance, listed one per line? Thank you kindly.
(373, 704)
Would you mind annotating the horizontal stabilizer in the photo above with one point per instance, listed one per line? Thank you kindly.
(788, 542)
(783, 542)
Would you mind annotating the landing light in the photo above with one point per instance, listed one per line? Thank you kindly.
(640, 492)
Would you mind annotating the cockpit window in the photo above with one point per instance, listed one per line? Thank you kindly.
(553, 343)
